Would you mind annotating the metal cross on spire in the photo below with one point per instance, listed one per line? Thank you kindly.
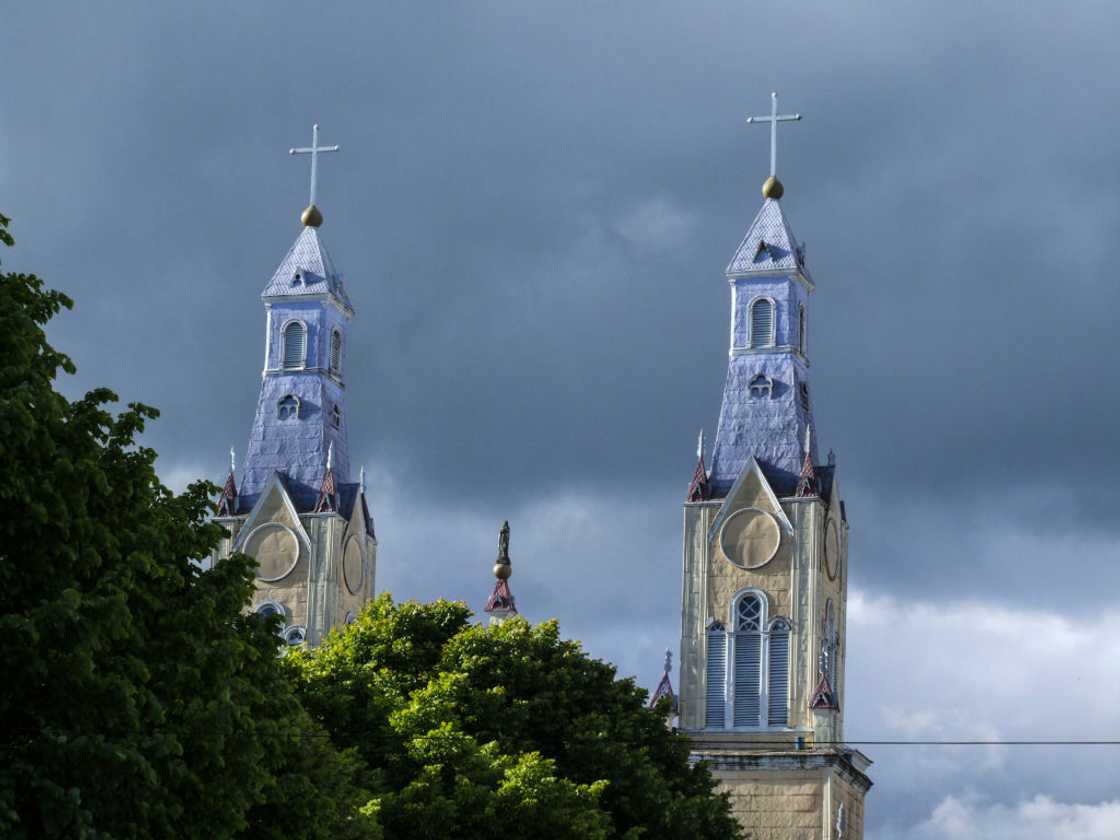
(774, 119)
(314, 149)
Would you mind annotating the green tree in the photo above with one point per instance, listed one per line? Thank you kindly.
(137, 700)
(466, 727)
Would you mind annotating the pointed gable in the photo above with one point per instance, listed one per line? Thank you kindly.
(307, 269)
(751, 490)
(769, 245)
(273, 505)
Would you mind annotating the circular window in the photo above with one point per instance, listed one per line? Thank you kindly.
(352, 567)
(750, 538)
(276, 550)
(831, 550)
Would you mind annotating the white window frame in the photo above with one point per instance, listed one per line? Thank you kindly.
(766, 625)
(773, 338)
(284, 344)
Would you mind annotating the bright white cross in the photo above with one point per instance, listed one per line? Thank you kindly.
(774, 119)
(313, 150)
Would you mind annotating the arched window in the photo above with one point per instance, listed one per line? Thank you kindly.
(295, 345)
(270, 608)
(778, 674)
(762, 323)
(715, 699)
(288, 407)
(801, 329)
(295, 635)
(336, 352)
(760, 386)
(747, 664)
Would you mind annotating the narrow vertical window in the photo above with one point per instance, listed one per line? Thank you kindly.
(762, 323)
(295, 345)
(336, 352)
(714, 707)
(747, 700)
(801, 329)
(778, 676)
(336, 416)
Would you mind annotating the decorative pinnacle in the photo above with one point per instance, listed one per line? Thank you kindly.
(808, 439)
(668, 660)
(503, 568)
(362, 479)
(700, 446)
(330, 454)
(232, 460)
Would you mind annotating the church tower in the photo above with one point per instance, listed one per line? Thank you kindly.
(766, 565)
(297, 511)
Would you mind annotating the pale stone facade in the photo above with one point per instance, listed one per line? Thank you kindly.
(320, 572)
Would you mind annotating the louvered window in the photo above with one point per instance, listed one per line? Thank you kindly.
(762, 323)
(748, 678)
(714, 708)
(336, 351)
(801, 329)
(295, 345)
(778, 676)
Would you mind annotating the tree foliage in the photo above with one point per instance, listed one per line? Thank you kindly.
(469, 727)
(141, 700)
(137, 698)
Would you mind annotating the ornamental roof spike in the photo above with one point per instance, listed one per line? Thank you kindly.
(665, 686)
(699, 489)
(328, 490)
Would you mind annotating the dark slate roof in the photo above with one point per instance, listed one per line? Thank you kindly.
(769, 245)
(307, 269)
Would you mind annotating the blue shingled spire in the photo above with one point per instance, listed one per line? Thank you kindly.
(766, 403)
(301, 412)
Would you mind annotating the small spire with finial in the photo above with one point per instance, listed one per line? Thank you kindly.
(362, 479)
(501, 605)
(312, 216)
(232, 461)
(700, 446)
(330, 454)
(668, 660)
(772, 187)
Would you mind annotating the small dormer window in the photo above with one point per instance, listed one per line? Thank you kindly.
(295, 345)
(761, 386)
(336, 352)
(288, 407)
(762, 323)
(336, 416)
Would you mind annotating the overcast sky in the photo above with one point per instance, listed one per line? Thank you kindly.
(533, 208)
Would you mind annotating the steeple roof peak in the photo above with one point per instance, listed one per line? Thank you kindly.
(769, 246)
(307, 269)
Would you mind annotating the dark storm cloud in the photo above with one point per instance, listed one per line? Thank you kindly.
(533, 209)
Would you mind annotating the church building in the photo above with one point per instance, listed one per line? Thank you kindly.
(297, 509)
(766, 564)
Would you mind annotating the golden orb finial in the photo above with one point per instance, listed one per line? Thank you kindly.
(502, 571)
(772, 188)
(311, 217)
